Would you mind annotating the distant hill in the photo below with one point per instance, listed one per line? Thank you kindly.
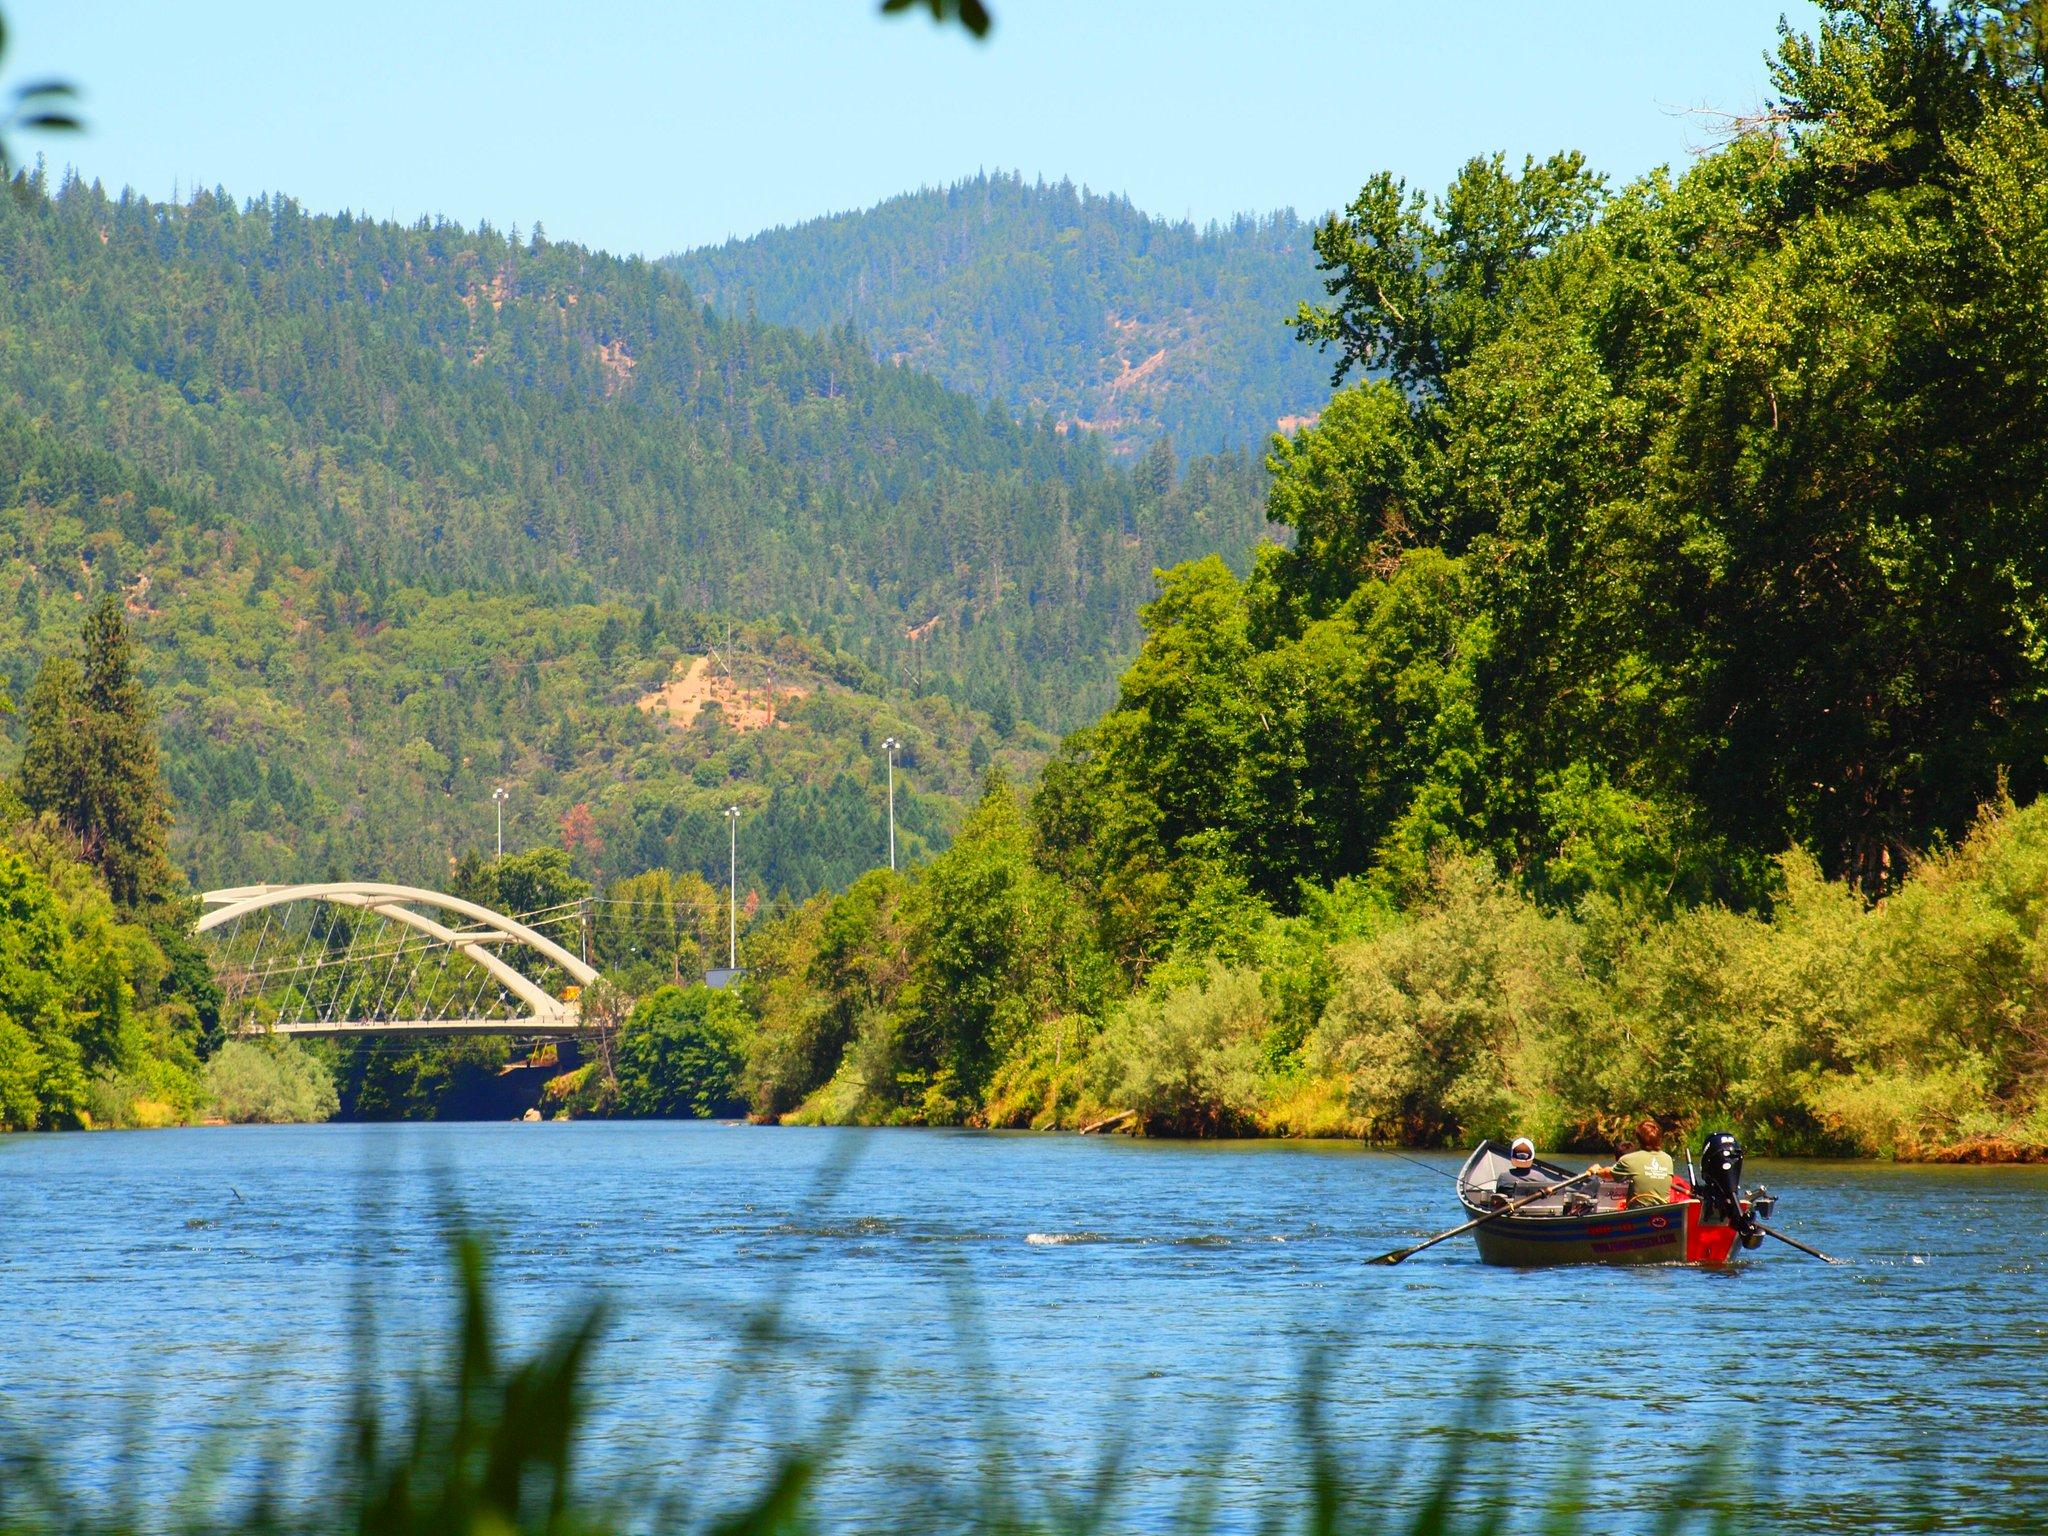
(1053, 299)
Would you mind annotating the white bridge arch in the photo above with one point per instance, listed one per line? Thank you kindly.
(292, 961)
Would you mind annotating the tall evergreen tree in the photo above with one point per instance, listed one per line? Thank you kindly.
(91, 760)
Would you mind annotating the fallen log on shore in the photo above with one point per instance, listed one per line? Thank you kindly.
(1104, 1124)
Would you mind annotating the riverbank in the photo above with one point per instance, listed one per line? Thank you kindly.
(979, 991)
(1981, 1152)
(1984, 1151)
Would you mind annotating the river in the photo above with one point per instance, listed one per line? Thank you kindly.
(1091, 1292)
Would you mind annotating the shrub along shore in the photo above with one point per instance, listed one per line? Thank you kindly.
(1907, 1028)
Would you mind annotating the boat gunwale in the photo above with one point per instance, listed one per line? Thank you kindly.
(1550, 1221)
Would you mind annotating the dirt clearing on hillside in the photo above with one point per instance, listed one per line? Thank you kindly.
(698, 681)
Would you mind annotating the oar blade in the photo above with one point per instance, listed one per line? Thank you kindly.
(1794, 1242)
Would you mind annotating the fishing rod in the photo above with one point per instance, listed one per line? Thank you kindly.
(1418, 1162)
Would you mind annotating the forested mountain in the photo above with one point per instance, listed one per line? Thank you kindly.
(463, 409)
(401, 513)
(1052, 299)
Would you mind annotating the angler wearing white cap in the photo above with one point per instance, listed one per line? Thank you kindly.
(1522, 1176)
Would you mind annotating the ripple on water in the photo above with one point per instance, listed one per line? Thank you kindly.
(1197, 1285)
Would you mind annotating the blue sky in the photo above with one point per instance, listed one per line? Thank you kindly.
(662, 124)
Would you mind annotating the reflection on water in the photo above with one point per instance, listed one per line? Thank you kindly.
(1089, 1289)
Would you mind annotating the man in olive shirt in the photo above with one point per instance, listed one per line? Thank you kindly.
(1648, 1167)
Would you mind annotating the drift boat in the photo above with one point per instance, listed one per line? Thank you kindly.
(1591, 1222)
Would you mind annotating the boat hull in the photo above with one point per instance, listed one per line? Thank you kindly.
(1657, 1234)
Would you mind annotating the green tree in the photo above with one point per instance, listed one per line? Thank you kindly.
(1355, 489)
(817, 978)
(1189, 1059)
(90, 760)
(269, 1083)
(42, 1070)
(1438, 1024)
(993, 947)
(88, 1027)
(537, 886)
(1347, 742)
(1419, 287)
(681, 1054)
(658, 925)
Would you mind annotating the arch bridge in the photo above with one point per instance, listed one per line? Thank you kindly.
(368, 958)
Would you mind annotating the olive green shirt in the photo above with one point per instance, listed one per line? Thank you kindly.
(1650, 1172)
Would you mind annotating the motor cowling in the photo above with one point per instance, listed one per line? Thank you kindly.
(1720, 1186)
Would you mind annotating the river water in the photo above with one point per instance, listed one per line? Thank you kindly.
(1032, 1301)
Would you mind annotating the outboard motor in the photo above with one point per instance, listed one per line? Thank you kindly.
(1720, 1186)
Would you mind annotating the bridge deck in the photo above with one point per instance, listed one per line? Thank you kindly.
(523, 1028)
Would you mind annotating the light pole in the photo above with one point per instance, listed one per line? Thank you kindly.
(499, 796)
(890, 746)
(732, 878)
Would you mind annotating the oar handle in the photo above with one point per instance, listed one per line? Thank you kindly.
(1507, 1210)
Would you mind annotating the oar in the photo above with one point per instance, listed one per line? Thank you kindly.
(1512, 1206)
(1781, 1237)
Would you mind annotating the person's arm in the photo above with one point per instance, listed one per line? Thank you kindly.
(1606, 1171)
